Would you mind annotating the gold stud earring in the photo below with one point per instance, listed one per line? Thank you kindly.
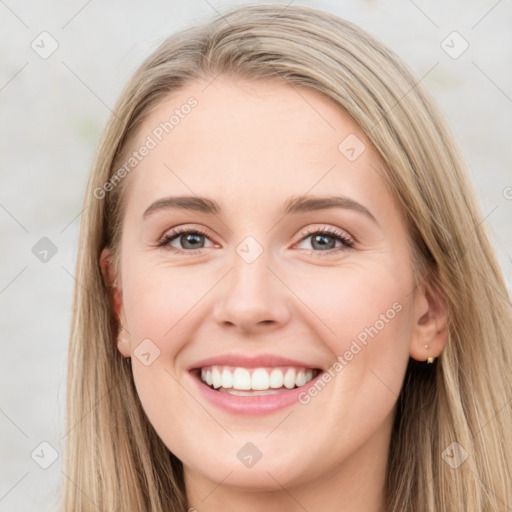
(430, 360)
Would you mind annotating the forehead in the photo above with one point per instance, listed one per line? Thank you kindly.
(248, 142)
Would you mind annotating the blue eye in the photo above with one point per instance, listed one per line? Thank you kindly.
(187, 237)
(192, 241)
(324, 240)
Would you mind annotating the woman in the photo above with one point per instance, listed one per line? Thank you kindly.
(287, 298)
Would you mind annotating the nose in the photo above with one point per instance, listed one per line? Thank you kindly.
(253, 298)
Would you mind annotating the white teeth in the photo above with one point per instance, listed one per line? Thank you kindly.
(301, 378)
(260, 379)
(227, 379)
(276, 378)
(216, 377)
(241, 379)
(249, 393)
(257, 379)
(289, 379)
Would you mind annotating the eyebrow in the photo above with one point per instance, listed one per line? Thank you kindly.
(298, 204)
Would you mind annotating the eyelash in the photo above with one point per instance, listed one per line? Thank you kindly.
(347, 243)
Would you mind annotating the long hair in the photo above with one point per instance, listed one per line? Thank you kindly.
(114, 458)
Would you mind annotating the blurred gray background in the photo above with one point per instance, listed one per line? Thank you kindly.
(62, 67)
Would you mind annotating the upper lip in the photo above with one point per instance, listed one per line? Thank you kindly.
(258, 361)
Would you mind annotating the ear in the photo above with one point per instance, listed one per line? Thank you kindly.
(430, 331)
(116, 297)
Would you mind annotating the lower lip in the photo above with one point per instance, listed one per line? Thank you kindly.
(252, 404)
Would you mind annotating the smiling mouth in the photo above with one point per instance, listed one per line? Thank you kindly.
(242, 381)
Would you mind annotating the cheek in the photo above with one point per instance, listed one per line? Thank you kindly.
(355, 301)
(364, 313)
(158, 300)
(160, 304)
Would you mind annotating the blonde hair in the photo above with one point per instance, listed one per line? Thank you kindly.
(115, 460)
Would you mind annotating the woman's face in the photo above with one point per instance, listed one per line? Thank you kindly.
(255, 296)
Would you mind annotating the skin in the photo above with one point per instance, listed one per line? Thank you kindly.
(245, 145)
